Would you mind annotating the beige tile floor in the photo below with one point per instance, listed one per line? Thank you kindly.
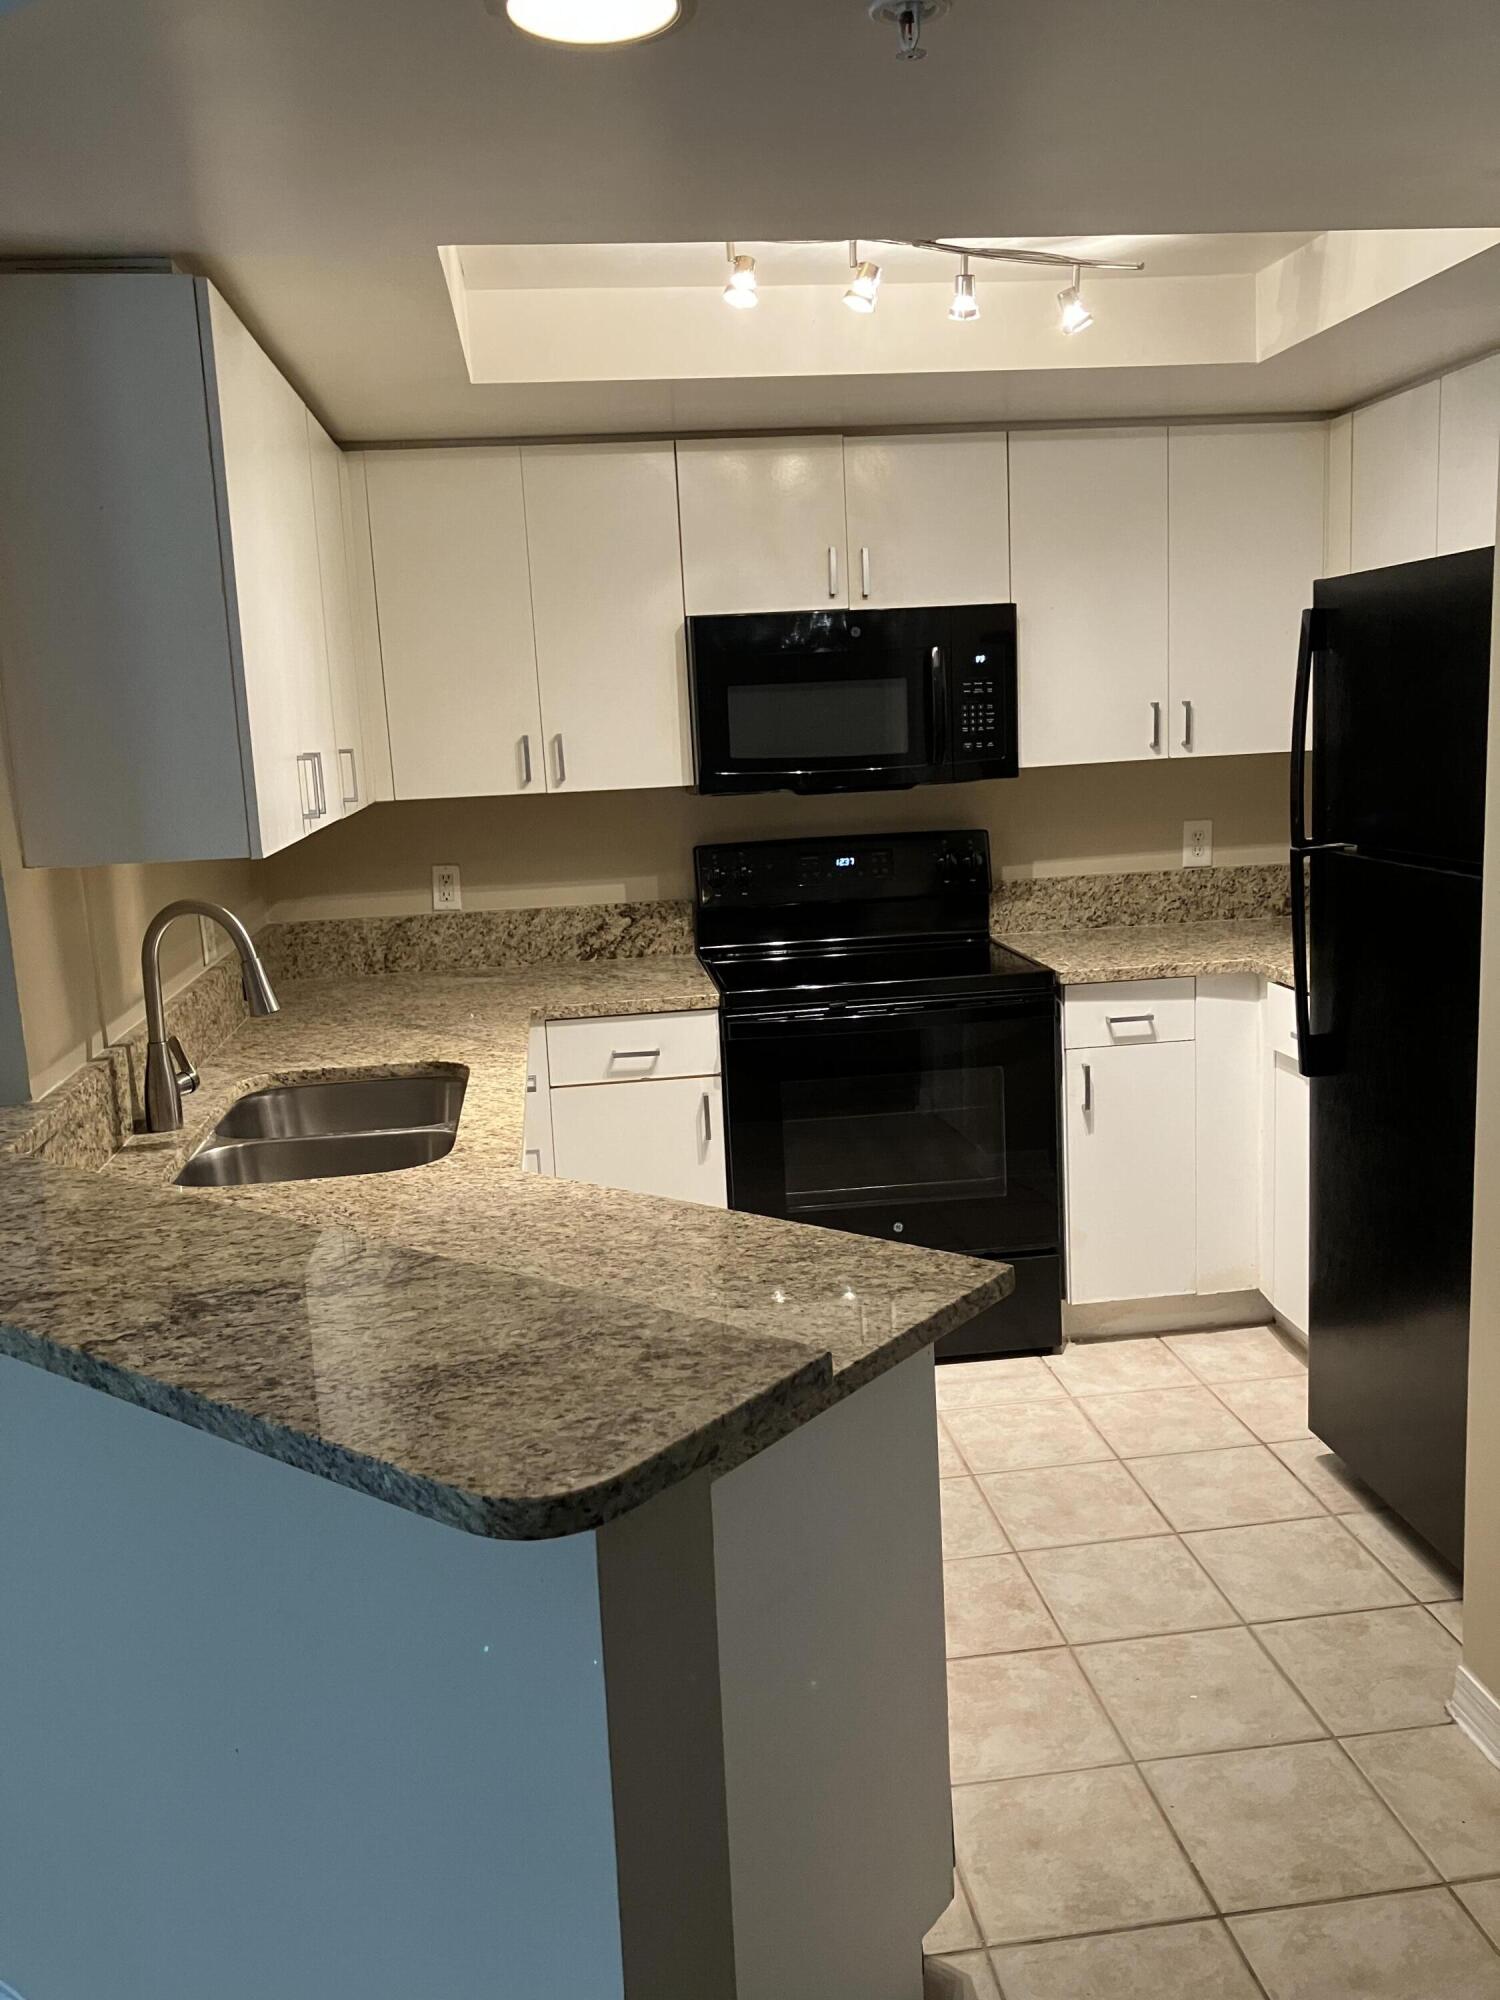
(1197, 1689)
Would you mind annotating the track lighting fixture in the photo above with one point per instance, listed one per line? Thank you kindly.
(864, 286)
(965, 305)
(592, 23)
(743, 288)
(1075, 314)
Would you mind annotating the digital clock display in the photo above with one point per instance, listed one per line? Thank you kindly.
(843, 861)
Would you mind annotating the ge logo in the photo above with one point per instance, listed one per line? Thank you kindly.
(900, 1230)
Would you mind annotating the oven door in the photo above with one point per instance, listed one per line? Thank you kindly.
(923, 1122)
(818, 701)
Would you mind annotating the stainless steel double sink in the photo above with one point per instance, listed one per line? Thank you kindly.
(324, 1131)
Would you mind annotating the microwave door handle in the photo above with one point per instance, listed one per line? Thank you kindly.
(938, 690)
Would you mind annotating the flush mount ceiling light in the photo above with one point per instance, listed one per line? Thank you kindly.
(965, 305)
(907, 17)
(591, 24)
(743, 288)
(1075, 314)
(864, 286)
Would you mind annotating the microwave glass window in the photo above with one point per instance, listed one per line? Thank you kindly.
(790, 723)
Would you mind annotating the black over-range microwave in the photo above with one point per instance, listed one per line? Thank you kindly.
(849, 701)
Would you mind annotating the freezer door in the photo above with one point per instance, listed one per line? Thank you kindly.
(1400, 690)
(1392, 1171)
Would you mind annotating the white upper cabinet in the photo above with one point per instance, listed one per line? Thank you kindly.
(1088, 539)
(278, 585)
(448, 533)
(349, 780)
(606, 591)
(375, 779)
(1247, 525)
(929, 520)
(1468, 455)
(763, 524)
(1394, 504)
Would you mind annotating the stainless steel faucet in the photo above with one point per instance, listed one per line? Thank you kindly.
(168, 1071)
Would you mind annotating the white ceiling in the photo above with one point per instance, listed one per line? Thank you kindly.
(312, 154)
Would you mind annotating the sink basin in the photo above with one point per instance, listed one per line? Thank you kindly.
(323, 1131)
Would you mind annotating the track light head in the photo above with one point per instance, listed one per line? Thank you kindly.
(1075, 314)
(743, 288)
(864, 286)
(965, 304)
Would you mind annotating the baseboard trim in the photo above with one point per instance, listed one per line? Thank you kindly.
(1477, 1713)
(1187, 1312)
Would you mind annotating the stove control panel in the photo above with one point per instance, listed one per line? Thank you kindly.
(862, 869)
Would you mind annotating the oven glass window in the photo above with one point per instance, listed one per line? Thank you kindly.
(928, 1126)
(791, 723)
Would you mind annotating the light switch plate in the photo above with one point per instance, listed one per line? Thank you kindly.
(447, 892)
(1197, 843)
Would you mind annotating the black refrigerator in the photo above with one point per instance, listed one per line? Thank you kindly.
(1387, 841)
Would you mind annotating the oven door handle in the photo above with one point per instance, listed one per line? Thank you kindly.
(986, 1006)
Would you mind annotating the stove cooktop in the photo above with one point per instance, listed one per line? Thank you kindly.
(832, 975)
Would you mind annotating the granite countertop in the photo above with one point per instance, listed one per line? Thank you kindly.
(1082, 955)
(517, 1356)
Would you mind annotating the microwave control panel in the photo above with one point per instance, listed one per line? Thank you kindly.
(978, 718)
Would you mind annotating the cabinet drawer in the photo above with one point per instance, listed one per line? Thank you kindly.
(627, 1047)
(1127, 1012)
(1281, 1022)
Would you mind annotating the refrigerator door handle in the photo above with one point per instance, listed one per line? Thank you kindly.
(1312, 637)
(1315, 1052)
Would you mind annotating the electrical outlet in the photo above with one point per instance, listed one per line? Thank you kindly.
(447, 894)
(215, 946)
(1197, 843)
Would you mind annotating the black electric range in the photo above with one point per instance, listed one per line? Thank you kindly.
(888, 1070)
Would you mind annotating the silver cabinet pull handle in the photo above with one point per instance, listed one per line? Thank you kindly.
(1156, 725)
(350, 792)
(1088, 1090)
(1187, 725)
(864, 572)
(317, 757)
(708, 1120)
(531, 1086)
(635, 1055)
(531, 1153)
(525, 760)
(560, 762)
(1129, 1020)
(304, 772)
(833, 571)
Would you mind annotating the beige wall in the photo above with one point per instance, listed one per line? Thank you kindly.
(1482, 1522)
(76, 939)
(609, 846)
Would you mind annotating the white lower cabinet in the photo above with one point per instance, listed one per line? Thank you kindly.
(538, 1155)
(1131, 1171)
(1186, 1142)
(1285, 1135)
(664, 1137)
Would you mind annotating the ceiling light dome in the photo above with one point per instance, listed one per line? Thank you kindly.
(594, 23)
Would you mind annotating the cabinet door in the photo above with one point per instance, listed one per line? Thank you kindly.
(1088, 552)
(929, 520)
(1395, 487)
(606, 592)
(348, 781)
(1131, 1172)
(1468, 455)
(1227, 1088)
(374, 729)
(663, 1138)
(1290, 1110)
(1247, 526)
(448, 533)
(277, 584)
(762, 524)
